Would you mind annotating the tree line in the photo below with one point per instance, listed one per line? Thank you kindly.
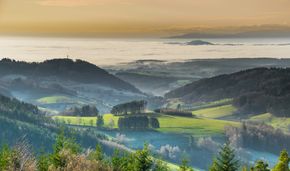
(138, 122)
(87, 110)
(67, 155)
(134, 107)
(174, 112)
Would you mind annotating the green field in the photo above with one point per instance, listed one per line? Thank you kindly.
(87, 121)
(276, 122)
(215, 112)
(168, 124)
(193, 126)
(55, 99)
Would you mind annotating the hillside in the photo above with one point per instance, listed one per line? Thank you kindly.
(64, 69)
(78, 82)
(160, 77)
(258, 90)
(22, 120)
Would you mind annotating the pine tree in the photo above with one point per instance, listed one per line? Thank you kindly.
(62, 143)
(226, 160)
(283, 163)
(260, 166)
(143, 159)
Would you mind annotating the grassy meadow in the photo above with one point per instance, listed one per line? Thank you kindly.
(215, 112)
(168, 124)
(54, 99)
(88, 121)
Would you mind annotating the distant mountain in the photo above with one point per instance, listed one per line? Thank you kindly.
(65, 69)
(198, 43)
(254, 91)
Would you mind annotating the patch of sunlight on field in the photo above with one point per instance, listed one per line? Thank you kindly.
(277, 122)
(55, 99)
(170, 124)
(88, 121)
(193, 126)
(215, 112)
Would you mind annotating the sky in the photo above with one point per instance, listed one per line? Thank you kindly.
(136, 17)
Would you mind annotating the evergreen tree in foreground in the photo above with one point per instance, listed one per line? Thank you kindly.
(226, 160)
(143, 159)
(260, 166)
(283, 163)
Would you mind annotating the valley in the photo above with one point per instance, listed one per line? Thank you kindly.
(181, 111)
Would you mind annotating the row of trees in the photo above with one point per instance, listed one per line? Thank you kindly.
(138, 122)
(86, 110)
(134, 107)
(174, 112)
(67, 155)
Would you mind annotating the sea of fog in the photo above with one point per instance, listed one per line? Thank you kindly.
(114, 51)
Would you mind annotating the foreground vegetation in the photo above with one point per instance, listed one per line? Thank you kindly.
(67, 155)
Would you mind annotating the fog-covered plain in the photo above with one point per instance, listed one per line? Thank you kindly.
(114, 51)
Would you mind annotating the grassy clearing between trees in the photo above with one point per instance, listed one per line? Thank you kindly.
(169, 124)
(54, 99)
(215, 112)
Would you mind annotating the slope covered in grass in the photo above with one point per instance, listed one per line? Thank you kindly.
(55, 99)
(87, 121)
(215, 112)
(168, 124)
(193, 126)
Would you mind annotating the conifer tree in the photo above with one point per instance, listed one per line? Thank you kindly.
(226, 160)
(143, 159)
(260, 166)
(283, 163)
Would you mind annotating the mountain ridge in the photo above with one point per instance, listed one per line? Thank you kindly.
(67, 69)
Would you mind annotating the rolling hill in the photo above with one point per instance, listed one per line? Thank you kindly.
(77, 80)
(254, 91)
(65, 69)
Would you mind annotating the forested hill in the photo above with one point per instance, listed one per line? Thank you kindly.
(65, 69)
(14, 109)
(254, 91)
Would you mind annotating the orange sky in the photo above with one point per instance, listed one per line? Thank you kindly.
(156, 17)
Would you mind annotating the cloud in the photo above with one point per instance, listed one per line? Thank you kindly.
(67, 3)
